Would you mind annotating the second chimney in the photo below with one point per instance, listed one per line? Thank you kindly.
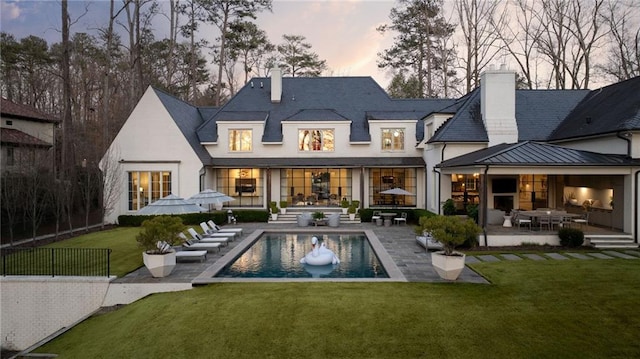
(276, 85)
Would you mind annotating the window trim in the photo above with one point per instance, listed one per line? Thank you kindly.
(322, 144)
(391, 130)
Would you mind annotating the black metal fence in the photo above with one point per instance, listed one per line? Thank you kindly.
(87, 262)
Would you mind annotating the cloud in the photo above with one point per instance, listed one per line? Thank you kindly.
(10, 11)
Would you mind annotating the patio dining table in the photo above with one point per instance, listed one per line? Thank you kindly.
(536, 214)
(387, 216)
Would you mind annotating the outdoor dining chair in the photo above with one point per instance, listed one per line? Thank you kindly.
(520, 220)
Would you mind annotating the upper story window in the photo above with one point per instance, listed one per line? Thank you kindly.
(392, 139)
(316, 140)
(240, 140)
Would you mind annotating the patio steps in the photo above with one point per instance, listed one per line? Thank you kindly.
(610, 241)
(291, 216)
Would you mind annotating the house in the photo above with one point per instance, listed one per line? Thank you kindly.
(316, 141)
(27, 138)
(527, 149)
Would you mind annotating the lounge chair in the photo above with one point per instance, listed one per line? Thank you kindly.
(218, 228)
(428, 242)
(192, 255)
(209, 232)
(189, 245)
(195, 236)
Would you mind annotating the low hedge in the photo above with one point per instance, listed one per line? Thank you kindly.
(571, 237)
(219, 217)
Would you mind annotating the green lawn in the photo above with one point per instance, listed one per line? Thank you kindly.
(125, 254)
(551, 309)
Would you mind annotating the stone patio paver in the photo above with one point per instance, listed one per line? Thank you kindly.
(556, 256)
(600, 255)
(578, 256)
(633, 253)
(488, 258)
(535, 257)
(511, 257)
(619, 255)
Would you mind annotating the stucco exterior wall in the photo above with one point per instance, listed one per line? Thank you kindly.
(150, 140)
(33, 308)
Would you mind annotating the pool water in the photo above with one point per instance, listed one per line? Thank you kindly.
(277, 255)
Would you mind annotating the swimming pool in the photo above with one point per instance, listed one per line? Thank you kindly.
(275, 256)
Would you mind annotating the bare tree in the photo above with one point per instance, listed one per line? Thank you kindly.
(11, 195)
(480, 28)
(111, 182)
(623, 60)
(519, 37)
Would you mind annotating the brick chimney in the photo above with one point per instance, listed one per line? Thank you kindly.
(498, 105)
(276, 84)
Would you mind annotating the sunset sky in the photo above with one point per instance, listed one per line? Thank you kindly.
(342, 32)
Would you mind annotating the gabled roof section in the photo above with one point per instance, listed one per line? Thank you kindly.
(11, 136)
(607, 110)
(531, 153)
(188, 118)
(316, 115)
(466, 125)
(12, 109)
(242, 116)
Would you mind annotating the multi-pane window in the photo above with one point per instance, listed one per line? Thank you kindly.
(393, 139)
(316, 140)
(240, 140)
(382, 179)
(243, 184)
(147, 187)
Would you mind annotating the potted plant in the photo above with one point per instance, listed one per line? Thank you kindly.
(318, 215)
(352, 212)
(450, 231)
(157, 237)
(273, 205)
(345, 205)
(283, 207)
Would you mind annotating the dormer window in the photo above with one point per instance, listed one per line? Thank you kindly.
(240, 140)
(392, 139)
(316, 140)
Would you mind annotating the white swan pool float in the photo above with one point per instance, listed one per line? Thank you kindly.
(319, 255)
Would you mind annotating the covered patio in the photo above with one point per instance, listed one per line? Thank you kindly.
(531, 176)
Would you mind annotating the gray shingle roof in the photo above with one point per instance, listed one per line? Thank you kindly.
(538, 113)
(188, 118)
(531, 153)
(318, 98)
(610, 109)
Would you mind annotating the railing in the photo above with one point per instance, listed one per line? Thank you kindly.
(88, 262)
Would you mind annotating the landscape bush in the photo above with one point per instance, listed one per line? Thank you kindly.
(571, 237)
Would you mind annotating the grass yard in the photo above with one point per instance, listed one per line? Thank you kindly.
(125, 256)
(551, 309)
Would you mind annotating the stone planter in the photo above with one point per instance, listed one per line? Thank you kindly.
(160, 265)
(448, 267)
(344, 210)
(274, 216)
(283, 210)
(352, 216)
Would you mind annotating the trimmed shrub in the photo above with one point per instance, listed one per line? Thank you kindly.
(571, 237)
(219, 217)
(472, 211)
(449, 207)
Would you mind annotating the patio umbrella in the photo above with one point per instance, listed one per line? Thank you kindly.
(170, 204)
(209, 196)
(397, 192)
